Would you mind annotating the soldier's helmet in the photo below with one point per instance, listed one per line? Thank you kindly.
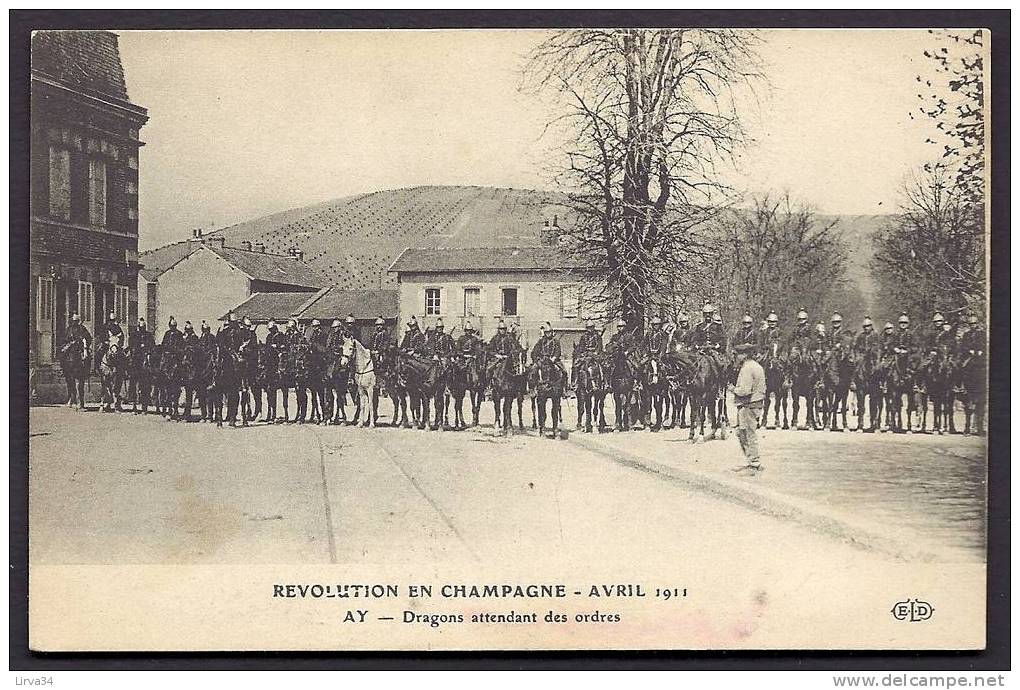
(113, 316)
(904, 320)
(747, 319)
(656, 321)
(205, 326)
(820, 327)
(439, 324)
(837, 318)
(468, 327)
(350, 318)
(543, 328)
(621, 324)
(888, 326)
(802, 315)
(501, 326)
(187, 326)
(335, 323)
(773, 318)
(379, 321)
(271, 324)
(867, 322)
(707, 309)
(589, 324)
(172, 323)
(141, 321)
(938, 318)
(315, 322)
(75, 318)
(232, 317)
(247, 321)
(716, 317)
(972, 319)
(683, 318)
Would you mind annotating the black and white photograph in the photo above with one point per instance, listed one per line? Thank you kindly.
(509, 339)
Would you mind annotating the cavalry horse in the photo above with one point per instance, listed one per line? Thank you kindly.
(971, 385)
(113, 367)
(144, 377)
(509, 383)
(224, 388)
(76, 365)
(465, 380)
(939, 374)
(425, 384)
(625, 387)
(591, 390)
(837, 372)
(656, 390)
(358, 360)
(804, 372)
(251, 391)
(703, 376)
(868, 378)
(777, 386)
(547, 381)
(900, 383)
(391, 382)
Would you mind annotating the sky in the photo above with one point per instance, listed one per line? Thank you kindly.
(243, 124)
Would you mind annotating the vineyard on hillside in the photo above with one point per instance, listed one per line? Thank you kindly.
(354, 240)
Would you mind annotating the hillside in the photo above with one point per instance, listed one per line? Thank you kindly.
(354, 240)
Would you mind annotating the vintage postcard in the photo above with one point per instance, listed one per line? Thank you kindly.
(580, 339)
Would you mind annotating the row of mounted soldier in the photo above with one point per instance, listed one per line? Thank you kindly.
(654, 380)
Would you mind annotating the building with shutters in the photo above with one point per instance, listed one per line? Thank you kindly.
(84, 187)
(523, 286)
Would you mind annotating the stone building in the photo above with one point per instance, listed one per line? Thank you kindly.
(199, 280)
(84, 188)
(523, 286)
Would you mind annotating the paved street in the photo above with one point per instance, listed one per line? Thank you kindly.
(109, 488)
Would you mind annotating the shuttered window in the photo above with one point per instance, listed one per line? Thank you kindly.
(86, 301)
(120, 302)
(60, 183)
(472, 301)
(44, 299)
(97, 192)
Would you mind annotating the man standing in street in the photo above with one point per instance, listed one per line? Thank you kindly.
(749, 396)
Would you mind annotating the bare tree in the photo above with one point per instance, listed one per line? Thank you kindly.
(776, 256)
(932, 255)
(648, 115)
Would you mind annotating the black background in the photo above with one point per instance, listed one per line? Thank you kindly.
(994, 657)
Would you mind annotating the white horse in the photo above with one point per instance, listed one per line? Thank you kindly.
(358, 360)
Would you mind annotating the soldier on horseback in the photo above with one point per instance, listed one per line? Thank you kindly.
(439, 344)
(621, 340)
(469, 343)
(801, 336)
(590, 342)
(317, 336)
(746, 335)
(109, 332)
(413, 342)
(838, 342)
(657, 340)
(945, 340)
(380, 341)
(502, 346)
(867, 344)
(75, 360)
(770, 341)
(707, 335)
(142, 343)
(723, 342)
(548, 348)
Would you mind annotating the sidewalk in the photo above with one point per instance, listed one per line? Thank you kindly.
(917, 497)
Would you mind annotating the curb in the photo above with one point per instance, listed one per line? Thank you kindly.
(848, 528)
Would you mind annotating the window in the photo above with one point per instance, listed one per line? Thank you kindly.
(86, 301)
(509, 301)
(571, 304)
(97, 192)
(44, 299)
(120, 302)
(60, 183)
(472, 301)
(432, 304)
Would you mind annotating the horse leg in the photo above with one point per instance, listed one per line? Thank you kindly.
(538, 407)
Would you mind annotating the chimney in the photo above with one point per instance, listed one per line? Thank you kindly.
(220, 240)
(548, 234)
(260, 247)
(196, 233)
(246, 245)
(299, 255)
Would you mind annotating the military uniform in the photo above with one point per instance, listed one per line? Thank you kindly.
(621, 340)
(548, 347)
(707, 335)
(802, 336)
(380, 341)
(746, 336)
(469, 344)
(413, 342)
(868, 344)
(838, 341)
(439, 344)
(769, 341)
(905, 340)
(589, 344)
(173, 340)
(317, 337)
(887, 342)
(945, 342)
(972, 341)
(657, 344)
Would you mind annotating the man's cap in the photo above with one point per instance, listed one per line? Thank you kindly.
(773, 317)
(747, 319)
(938, 317)
(744, 349)
(904, 318)
(837, 317)
(867, 321)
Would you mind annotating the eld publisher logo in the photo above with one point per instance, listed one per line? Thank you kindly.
(912, 610)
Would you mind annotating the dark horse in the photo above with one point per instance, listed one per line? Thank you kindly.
(547, 380)
(805, 371)
(939, 374)
(777, 386)
(591, 390)
(837, 372)
(656, 388)
(225, 385)
(703, 376)
(623, 371)
(76, 365)
(971, 384)
(463, 379)
(425, 383)
(391, 382)
(508, 378)
(868, 378)
(113, 367)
